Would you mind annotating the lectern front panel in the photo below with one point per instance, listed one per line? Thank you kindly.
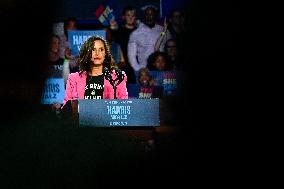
(118, 112)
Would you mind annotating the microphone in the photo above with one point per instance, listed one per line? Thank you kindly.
(119, 76)
(114, 82)
(108, 76)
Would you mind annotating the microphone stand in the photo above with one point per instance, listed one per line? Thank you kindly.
(114, 88)
(114, 82)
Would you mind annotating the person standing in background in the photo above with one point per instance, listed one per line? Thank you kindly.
(172, 52)
(70, 59)
(176, 23)
(121, 34)
(55, 67)
(142, 41)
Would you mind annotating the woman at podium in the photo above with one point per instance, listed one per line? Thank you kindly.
(98, 77)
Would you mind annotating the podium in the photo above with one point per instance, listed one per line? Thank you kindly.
(116, 113)
(136, 118)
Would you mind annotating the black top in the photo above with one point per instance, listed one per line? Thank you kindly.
(94, 87)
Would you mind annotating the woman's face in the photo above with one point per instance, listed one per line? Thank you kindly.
(160, 63)
(98, 53)
(144, 78)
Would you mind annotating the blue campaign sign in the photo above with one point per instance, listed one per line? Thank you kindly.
(77, 37)
(165, 79)
(54, 91)
(138, 91)
(118, 112)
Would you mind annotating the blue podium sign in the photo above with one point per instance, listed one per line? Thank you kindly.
(118, 112)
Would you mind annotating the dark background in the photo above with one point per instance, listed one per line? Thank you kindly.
(35, 153)
(84, 10)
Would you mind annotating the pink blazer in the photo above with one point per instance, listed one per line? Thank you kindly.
(75, 87)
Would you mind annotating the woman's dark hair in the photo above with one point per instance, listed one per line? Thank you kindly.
(85, 55)
(153, 57)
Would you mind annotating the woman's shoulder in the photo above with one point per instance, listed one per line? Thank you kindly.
(76, 75)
